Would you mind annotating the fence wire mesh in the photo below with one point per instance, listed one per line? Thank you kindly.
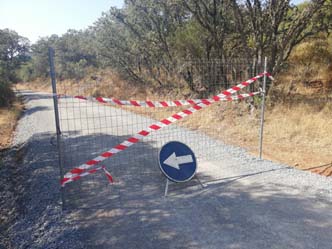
(90, 128)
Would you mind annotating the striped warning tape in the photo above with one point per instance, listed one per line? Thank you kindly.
(82, 170)
(150, 103)
(138, 103)
(91, 171)
(240, 96)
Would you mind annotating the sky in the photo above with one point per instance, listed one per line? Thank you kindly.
(39, 18)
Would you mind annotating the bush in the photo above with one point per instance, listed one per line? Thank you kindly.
(6, 94)
(26, 72)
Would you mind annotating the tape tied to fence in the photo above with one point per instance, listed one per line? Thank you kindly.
(83, 170)
(92, 171)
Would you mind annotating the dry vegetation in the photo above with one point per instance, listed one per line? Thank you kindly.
(8, 118)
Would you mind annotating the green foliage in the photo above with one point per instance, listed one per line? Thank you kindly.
(313, 60)
(39, 56)
(6, 94)
(74, 52)
(150, 40)
(188, 41)
(317, 51)
(26, 72)
(148, 36)
(136, 40)
(13, 52)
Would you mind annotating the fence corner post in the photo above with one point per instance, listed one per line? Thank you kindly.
(57, 119)
(262, 110)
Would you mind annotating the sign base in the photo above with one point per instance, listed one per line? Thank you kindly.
(168, 182)
(166, 187)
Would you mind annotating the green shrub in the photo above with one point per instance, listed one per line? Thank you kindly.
(6, 94)
(26, 72)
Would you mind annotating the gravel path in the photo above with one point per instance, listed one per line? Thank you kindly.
(29, 187)
(236, 200)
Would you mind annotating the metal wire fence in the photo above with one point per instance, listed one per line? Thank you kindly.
(89, 128)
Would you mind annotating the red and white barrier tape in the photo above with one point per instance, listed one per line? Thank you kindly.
(138, 103)
(154, 104)
(150, 103)
(80, 171)
(91, 171)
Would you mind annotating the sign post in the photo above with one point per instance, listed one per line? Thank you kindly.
(177, 162)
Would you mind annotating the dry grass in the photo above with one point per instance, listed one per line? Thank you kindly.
(43, 85)
(8, 120)
(301, 136)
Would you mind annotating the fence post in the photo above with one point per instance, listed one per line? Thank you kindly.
(57, 121)
(262, 111)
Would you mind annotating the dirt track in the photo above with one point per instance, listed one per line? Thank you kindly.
(238, 202)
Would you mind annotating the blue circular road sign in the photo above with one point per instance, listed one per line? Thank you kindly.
(177, 161)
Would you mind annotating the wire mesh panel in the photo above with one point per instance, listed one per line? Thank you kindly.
(90, 128)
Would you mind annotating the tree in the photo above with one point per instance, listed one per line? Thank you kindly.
(215, 18)
(140, 36)
(13, 52)
(273, 28)
(74, 53)
(151, 41)
(39, 57)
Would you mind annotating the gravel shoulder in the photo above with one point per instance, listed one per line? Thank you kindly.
(236, 200)
(31, 215)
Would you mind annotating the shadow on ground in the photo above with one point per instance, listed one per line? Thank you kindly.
(36, 109)
(204, 213)
(133, 213)
(227, 214)
(29, 95)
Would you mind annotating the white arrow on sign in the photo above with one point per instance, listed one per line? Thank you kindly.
(174, 161)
